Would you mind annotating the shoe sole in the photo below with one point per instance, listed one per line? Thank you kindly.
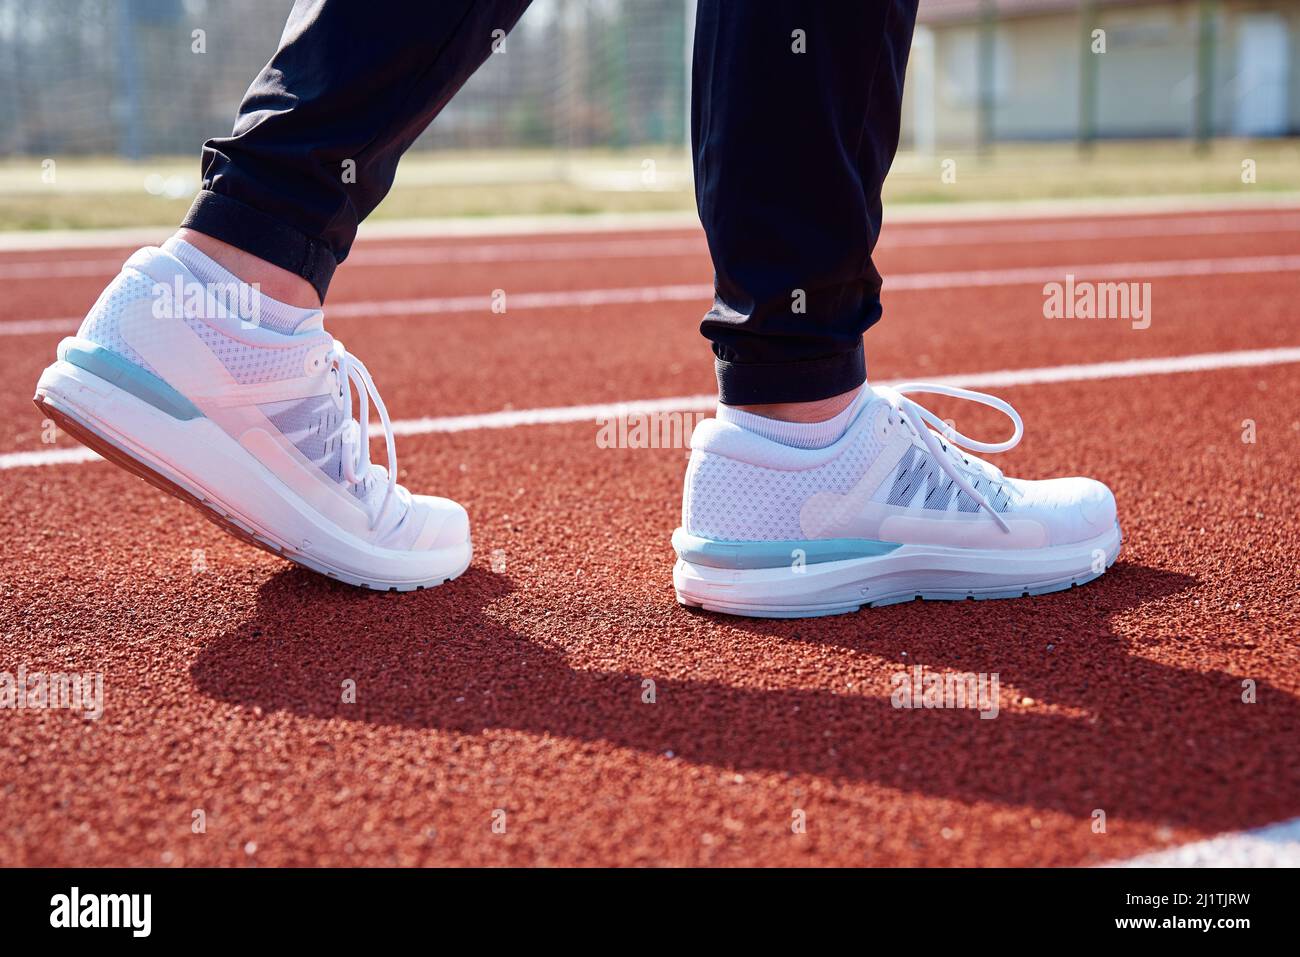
(908, 573)
(66, 395)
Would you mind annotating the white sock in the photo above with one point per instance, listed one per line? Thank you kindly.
(801, 435)
(270, 313)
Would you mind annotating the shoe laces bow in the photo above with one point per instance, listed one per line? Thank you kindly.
(917, 415)
(357, 466)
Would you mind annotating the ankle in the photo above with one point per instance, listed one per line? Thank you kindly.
(236, 292)
(803, 425)
(816, 411)
(271, 280)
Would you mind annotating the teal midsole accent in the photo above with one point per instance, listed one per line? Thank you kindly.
(130, 378)
(751, 555)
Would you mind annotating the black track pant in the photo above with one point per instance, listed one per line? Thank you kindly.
(795, 122)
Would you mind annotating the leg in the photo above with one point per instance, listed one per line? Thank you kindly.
(795, 123)
(812, 494)
(319, 133)
(240, 403)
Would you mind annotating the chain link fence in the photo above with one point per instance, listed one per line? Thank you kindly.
(140, 78)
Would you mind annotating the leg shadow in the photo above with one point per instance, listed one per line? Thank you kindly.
(1109, 728)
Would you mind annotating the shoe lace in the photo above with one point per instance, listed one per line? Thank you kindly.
(357, 466)
(917, 415)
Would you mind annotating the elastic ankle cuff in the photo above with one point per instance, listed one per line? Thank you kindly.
(263, 236)
(757, 383)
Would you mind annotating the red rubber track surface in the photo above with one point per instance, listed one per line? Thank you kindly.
(522, 690)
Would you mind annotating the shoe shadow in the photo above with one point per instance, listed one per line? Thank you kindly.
(1108, 728)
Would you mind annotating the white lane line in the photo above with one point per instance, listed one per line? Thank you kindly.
(35, 327)
(994, 233)
(61, 269)
(525, 300)
(904, 282)
(900, 236)
(514, 418)
(1123, 368)
(1274, 845)
(577, 250)
(1118, 209)
(1127, 271)
(22, 460)
(488, 228)
(447, 305)
(1005, 378)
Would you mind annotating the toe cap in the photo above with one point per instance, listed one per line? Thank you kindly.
(446, 523)
(1071, 509)
(1097, 507)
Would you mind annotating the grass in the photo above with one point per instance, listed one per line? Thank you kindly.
(98, 192)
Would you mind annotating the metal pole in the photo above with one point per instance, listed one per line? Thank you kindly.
(987, 76)
(924, 132)
(1205, 75)
(569, 80)
(129, 75)
(688, 68)
(618, 93)
(1087, 77)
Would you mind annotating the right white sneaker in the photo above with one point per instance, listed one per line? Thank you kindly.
(890, 512)
(252, 426)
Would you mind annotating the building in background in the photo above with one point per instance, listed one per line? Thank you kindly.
(984, 71)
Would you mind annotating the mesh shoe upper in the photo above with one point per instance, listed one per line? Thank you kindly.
(304, 391)
(881, 480)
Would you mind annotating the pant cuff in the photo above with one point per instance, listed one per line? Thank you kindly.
(756, 383)
(264, 236)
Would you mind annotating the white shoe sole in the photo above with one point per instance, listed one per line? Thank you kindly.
(200, 464)
(907, 573)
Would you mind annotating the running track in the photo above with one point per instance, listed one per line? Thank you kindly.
(521, 690)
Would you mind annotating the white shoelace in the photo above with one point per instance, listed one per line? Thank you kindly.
(917, 416)
(356, 437)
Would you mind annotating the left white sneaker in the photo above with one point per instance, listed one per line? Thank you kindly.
(252, 427)
(890, 512)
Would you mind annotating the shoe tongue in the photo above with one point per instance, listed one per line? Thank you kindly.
(977, 465)
(370, 493)
(871, 400)
(312, 323)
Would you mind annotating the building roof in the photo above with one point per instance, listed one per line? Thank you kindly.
(949, 11)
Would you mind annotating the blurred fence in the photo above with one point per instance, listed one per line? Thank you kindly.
(139, 78)
(133, 78)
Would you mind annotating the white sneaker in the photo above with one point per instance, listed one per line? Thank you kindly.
(252, 426)
(890, 512)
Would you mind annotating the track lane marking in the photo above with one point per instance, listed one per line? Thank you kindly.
(1152, 269)
(898, 236)
(37, 327)
(917, 235)
(514, 418)
(634, 295)
(420, 255)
